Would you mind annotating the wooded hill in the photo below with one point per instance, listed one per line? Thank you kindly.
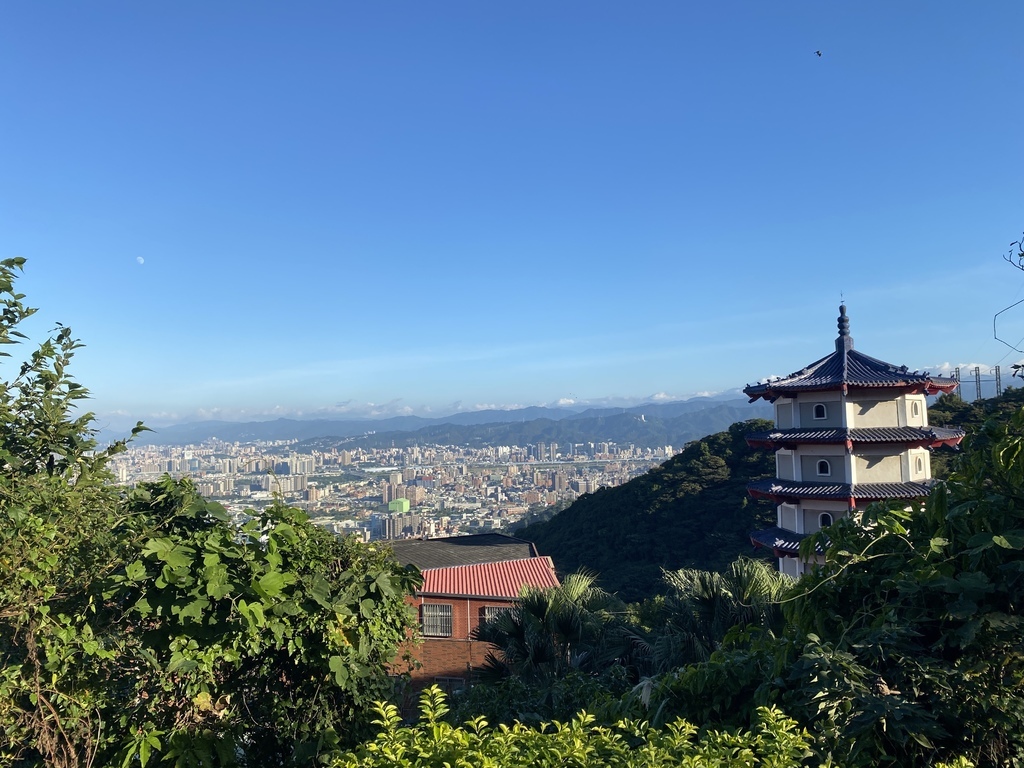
(954, 412)
(693, 511)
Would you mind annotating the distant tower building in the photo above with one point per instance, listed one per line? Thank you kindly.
(849, 430)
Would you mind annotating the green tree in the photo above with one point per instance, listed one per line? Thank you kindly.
(693, 511)
(552, 631)
(907, 646)
(146, 626)
(703, 606)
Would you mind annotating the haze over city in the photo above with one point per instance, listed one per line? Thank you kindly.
(256, 210)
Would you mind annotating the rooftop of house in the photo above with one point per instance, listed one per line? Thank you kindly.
(462, 550)
(503, 580)
(847, 368)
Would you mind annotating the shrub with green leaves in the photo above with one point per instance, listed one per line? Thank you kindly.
(142, 627)
(907, 646)
(773, 742)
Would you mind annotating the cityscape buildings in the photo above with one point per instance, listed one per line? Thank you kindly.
(394, 493)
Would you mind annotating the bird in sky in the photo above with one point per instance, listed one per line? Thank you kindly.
(819, 54)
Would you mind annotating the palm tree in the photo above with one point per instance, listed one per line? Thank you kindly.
(704, 605)
(550, 631)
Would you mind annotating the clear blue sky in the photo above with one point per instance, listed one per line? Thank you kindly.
(253, 208)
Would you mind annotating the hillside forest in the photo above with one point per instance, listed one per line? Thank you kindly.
(693, 511)
(144, 627)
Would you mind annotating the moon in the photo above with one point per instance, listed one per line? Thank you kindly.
(140, 260)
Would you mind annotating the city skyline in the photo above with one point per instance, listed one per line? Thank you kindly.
(251, 211)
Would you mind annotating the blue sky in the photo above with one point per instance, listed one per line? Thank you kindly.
(249, 209)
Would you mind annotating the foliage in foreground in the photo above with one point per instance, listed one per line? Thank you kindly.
(774, 741)
(907, 646)
(574, 647)
(145, 627)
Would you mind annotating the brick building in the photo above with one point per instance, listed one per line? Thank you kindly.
(465, 580)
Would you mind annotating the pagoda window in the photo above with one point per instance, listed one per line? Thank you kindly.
(920, 464)
(915, 408)
(824, 520)
(820, 411)
(824, 468)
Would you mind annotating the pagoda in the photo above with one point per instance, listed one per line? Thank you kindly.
(849, 430)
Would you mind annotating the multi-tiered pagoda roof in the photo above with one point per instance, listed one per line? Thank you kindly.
(846, 369)
(854, 374)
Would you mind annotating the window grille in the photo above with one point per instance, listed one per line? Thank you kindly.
(437, 620)
(491, 612)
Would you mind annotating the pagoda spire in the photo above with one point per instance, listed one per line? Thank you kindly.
(845, 341)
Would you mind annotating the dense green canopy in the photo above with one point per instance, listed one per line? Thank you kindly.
(693, 511)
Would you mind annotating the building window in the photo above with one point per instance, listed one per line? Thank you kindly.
(915, 408)
(820, 411)
(491, 612)
(437, 620)
(824, 469)
(920, 465)
(824, 520)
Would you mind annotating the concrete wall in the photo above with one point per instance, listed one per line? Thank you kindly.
(872, 412)
(784, 414)
(787, 517)
(833, 411)
(809, 468)
(919, 419)
(812, 518)
(920, 466)
(878, 465)
(784, 465)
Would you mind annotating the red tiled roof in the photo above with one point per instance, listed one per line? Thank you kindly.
(505, 579)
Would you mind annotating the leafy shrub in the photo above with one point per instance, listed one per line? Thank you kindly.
(773, 742)
(142, 627)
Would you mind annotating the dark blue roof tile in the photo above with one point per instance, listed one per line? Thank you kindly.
(847, 368)
(861, 493)
(928, 435)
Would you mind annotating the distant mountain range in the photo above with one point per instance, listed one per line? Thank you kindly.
(646, 425)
